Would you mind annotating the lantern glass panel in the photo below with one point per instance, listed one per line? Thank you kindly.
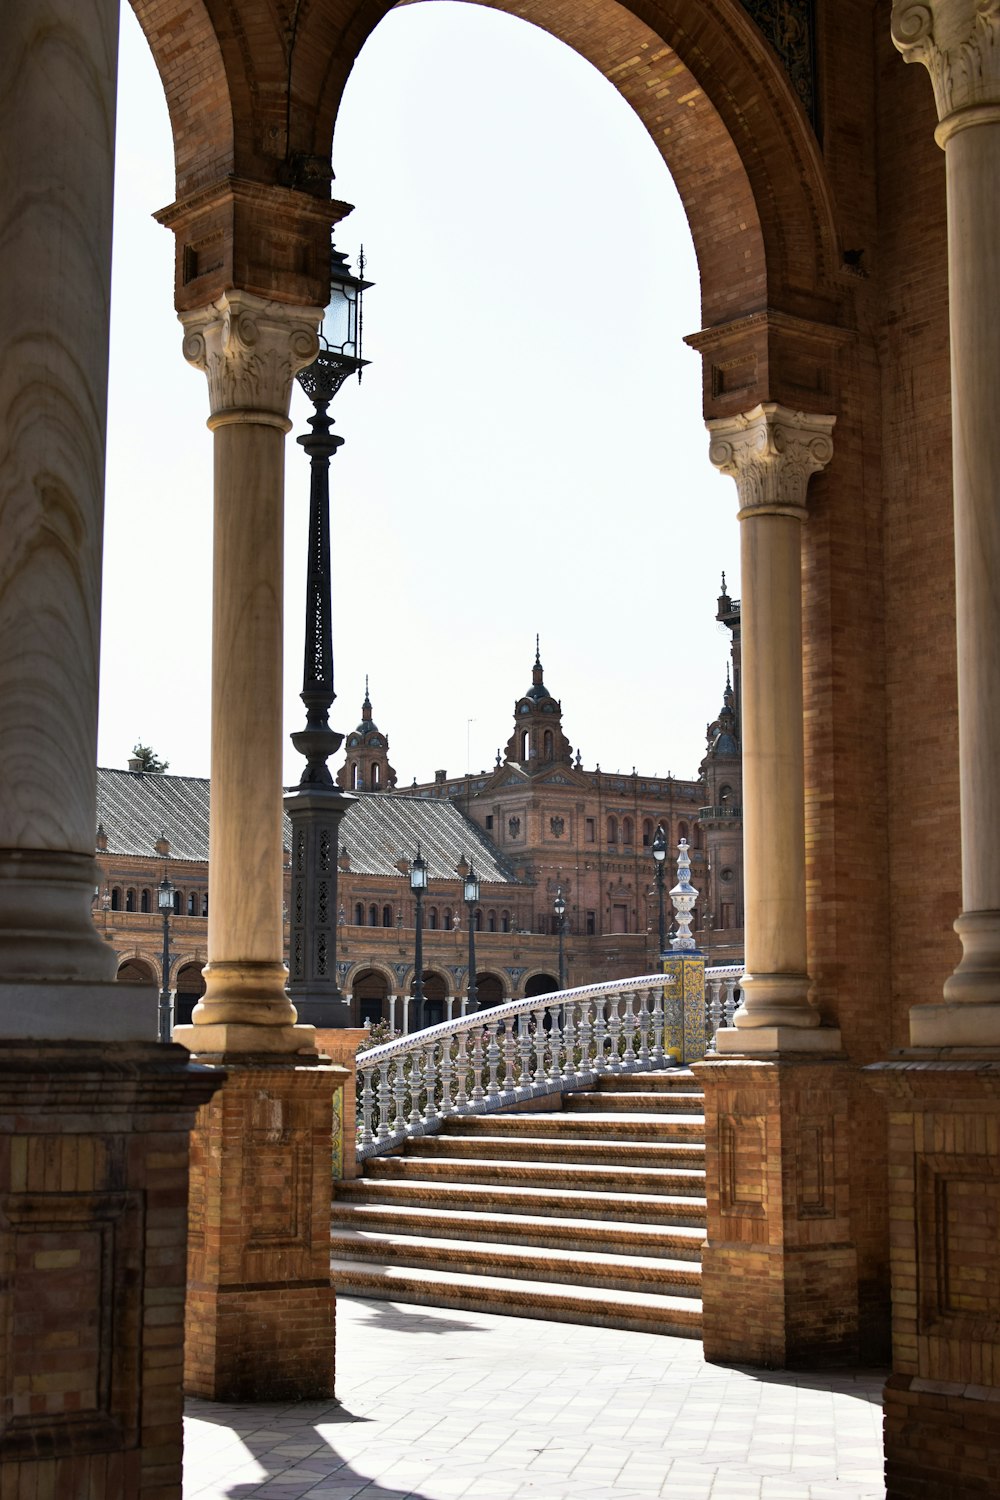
(340, 323)
(165, 897)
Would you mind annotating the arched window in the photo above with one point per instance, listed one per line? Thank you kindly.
(355, 779)
(548, 745)
(626, 830)
(204, 905)
(116, 898)
(178, 903)
(376, 777)
(373, 915)
(359, 914)
(130, 899)
(612, 830)
(491, 921)
(697, 835)
(682, 831)
(145, 898)
(479, 920)
(725, 796)
(446, 919)
(525, 742)
(387, 916)
(647, 832)
(432, 918)
(192, 903)
(505, 921)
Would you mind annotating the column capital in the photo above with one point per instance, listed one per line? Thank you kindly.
(250, 349)
(958, 42)
(771, 452)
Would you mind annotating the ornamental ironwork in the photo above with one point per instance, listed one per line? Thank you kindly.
(790, 27)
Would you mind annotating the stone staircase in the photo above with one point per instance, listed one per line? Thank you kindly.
(593, 1212)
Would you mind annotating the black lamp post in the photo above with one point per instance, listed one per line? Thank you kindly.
(418, 884)
(165, 901)
(559, 907)
(471, 896)
(659, 862)
(317, 805)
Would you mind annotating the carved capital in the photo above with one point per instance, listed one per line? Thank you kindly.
(250, 349)
(958, 42)
(771, 452)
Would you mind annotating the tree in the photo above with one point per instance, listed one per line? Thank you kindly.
(148, 758)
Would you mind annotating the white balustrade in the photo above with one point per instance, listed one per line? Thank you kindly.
(722, 997)
(519, 1050)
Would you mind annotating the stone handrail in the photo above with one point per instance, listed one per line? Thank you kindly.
(722, 996)
(520, 1050)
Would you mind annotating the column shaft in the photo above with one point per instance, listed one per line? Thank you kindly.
(58, 67)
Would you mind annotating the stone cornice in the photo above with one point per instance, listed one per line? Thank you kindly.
(958, 42)
(771, 452)
(250, 349)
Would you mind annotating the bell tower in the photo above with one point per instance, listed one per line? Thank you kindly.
(367, 767)
(538, 740)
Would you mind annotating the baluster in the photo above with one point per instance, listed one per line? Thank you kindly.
(629, 1031)
(585, 1034)
(430, 1080)
(524, 1048)
(447, 1107)
(555, 1044)
(732, 999)
(600, 1032)
(399, 1091)
(366, 1107)
(615, 1034)
(659, 1054)
(384, 1102)
(493, 1062)
(539, 1019)
(477, 1065)
(415, 1082)
(509, 1054)
(569, 1042)
(462, 1069)
(643, 1028)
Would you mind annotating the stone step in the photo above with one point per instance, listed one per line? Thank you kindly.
(638, 1126)
(631, 1207)
(573, 1234)
(572, 1176)
(680, 1080)
(593, 1151)
(595, 1101)
(613, 1272)
(639, 1311)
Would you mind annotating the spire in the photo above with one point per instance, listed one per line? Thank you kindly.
(367, 767)
(366, 707)
(536, 674)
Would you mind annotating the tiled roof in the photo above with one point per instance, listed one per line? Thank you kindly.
(135, 808)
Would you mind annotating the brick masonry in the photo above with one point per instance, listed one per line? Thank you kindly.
(779, 1269)
(942, 1402)
(93, 1230)
(260, 1308)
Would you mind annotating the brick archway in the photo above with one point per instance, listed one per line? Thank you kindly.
(254, 138)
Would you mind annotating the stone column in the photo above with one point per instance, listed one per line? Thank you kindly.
(250, 349)
(58, 66)
(958, 41)
(942, 1400)
(771, 452)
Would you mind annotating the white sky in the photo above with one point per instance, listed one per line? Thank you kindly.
(526, 452)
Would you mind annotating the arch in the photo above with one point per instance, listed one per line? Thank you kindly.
(376, 777)
(626, 830)
(612, 830)
(370, 992)
(682, 830)
(490, 989)
(136, 971)
(145, 899)
(192, 904)
(387, 919)
(548, 745)
(525, 744)
(178, 903)
(540, 983)
(505, 921)
(204, 904)
(432, 918)
(447, 919)
(491, 921)
(435, 997)
(189, 986)
(647, 832)
(478, 919)
(359, 914)
(372, 915)
(130, 899)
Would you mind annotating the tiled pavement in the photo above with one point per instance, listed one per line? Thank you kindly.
(437, 1405)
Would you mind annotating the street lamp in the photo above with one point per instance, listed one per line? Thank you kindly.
(659, 864)
(418, 884)
(317, 805)
(471, 896)
(559, 907)
(165, 901)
